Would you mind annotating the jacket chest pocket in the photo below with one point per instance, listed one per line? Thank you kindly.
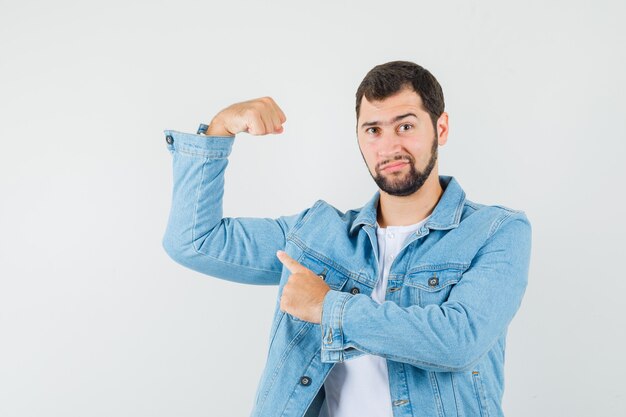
(335, 279)
(430, 286)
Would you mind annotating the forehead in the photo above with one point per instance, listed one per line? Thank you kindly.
(405, 99)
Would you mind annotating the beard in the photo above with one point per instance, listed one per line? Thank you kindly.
(402, 184)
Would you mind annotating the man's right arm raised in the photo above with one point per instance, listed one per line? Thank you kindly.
(240, 249)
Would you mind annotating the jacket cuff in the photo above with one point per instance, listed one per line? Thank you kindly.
(331, 326)
(214, 147)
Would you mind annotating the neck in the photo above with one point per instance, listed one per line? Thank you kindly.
(411, 209)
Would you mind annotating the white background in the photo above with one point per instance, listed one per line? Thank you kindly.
(96, 320)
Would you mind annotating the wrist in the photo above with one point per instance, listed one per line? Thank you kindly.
(217, 128)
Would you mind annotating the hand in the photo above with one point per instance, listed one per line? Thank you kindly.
(303, 294)
(259, 116)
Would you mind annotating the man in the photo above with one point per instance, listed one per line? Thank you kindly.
(399, 308)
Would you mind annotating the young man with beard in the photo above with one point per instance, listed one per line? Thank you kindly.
(398, 308)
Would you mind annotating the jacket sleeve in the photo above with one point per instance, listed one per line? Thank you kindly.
(240, 249)
(449, 337)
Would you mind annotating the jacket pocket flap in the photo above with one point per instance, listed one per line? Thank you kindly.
(432, 280)
(335, 279)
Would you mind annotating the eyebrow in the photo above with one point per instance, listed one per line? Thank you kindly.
(395, 119)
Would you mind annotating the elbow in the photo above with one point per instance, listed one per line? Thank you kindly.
(186, 254)
(461, 351)
(456, 359)
(463, 343)
(174, 249)
(462, 360)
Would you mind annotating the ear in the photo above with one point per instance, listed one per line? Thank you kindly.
(442, 128)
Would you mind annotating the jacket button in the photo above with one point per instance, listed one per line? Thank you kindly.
(354, 290)
(202, 129)
(305, 380)
(433, 282)
(169, 139)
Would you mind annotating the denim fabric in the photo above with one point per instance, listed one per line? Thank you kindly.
(453, 289)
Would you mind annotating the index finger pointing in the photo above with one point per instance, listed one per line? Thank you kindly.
(290, 263)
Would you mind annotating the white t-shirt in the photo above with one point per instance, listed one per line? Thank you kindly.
(360, 386)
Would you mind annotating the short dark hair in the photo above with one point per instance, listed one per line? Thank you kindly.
(385, 80)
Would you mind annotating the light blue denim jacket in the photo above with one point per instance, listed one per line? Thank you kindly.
(452, 291)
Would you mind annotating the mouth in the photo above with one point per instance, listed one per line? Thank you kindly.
(394, 166)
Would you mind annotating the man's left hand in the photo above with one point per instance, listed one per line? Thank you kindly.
(303, 294)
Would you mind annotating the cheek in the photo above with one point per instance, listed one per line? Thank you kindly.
(370, 158)
(368, 151)
(420, 149)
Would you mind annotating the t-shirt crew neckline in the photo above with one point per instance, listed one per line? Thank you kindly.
(402, 229)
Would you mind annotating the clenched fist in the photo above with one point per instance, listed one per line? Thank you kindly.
(259, 116)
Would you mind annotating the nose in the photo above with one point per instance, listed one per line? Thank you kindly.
(390, 146)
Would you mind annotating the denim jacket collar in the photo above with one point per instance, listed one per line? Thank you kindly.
(446, 215)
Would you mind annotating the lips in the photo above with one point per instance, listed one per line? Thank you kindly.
(394, 164)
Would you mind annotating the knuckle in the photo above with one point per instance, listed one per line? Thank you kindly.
(251, 113)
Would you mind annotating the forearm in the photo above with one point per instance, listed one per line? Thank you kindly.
(198, 163)
(450, 336)
(239, 249)
(430, 338)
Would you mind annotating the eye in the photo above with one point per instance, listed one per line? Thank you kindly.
(409, 125)
(369, 130)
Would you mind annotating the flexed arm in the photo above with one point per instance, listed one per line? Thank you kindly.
(241, 249)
